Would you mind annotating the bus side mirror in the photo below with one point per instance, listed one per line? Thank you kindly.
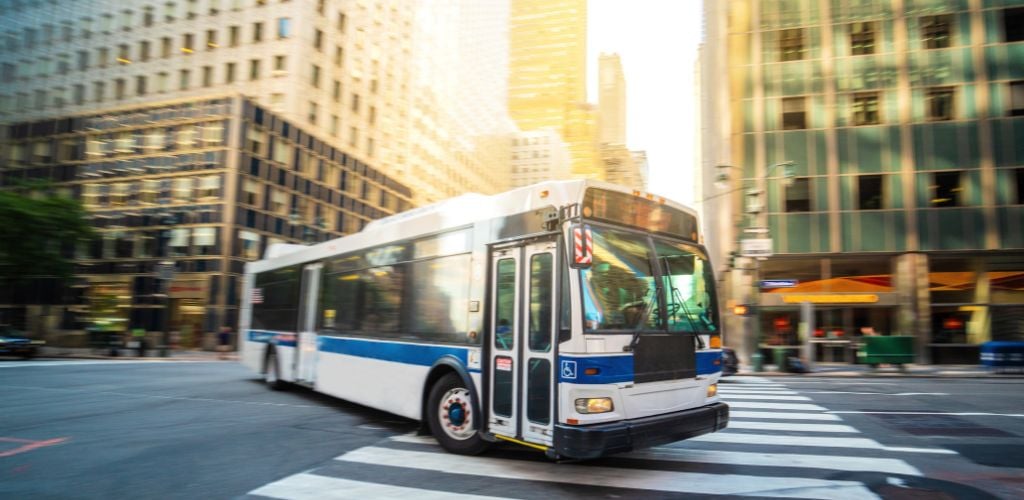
(582, 247)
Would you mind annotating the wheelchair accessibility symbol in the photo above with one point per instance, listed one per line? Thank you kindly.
(569, 370)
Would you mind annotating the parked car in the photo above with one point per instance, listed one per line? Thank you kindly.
(730, 363)
(13, 343)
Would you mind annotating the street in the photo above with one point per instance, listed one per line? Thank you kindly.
(159, 429)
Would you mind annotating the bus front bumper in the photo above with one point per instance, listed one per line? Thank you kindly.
(598, 440)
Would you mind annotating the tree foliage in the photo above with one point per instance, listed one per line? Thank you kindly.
(40, 230)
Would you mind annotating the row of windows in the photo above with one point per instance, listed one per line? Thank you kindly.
(115, 145)
(125, 20)
(945, 189)
(152, 191)
(176, 242)
(935, 32)
(940, 104)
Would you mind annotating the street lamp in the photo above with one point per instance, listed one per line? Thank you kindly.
(756, 248)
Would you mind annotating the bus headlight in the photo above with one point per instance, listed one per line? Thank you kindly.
(594, 405)
(712, 390)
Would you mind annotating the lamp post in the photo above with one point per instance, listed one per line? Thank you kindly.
(751, 249)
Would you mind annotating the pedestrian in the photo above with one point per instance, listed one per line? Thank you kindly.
(224, 341)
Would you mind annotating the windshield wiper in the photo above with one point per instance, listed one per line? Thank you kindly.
(678, 296)
(642, 318)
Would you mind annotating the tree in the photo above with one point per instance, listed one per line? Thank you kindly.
(41, 229)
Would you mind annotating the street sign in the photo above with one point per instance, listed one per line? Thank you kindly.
(779, 283)
(756, 247)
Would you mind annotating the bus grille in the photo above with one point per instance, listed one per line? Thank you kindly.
(664, 357)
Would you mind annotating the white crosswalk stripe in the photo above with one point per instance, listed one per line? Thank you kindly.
(800, 441)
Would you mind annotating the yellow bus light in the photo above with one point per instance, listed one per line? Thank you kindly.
(594, 405)
(715, 342)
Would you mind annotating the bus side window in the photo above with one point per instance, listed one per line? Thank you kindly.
(565, 315)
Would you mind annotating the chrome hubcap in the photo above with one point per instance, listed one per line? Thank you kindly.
(455, 415)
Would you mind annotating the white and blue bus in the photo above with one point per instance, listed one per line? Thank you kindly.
(574, 317)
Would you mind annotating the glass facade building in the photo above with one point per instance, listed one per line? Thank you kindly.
(901, 211)
(204, 183)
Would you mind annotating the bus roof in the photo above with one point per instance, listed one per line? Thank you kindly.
(448, 214)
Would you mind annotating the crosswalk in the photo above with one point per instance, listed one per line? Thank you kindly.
(778, 444)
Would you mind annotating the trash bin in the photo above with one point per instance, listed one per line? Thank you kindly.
(896, 350)
(757, 360)
(779, 355)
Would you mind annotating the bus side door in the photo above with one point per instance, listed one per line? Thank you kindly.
(522, 342)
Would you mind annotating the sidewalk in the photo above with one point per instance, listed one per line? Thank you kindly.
(131, 354)
(909, 370)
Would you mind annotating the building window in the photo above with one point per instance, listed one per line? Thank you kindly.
(284, 27)
(276, 100)
(119, 88)
(793, 115)
(1017, 98)
(334, 125)
(209, 187)
(355, 103)
(1019, 174)
(869, 192)
(165, 47)
(936, 31)
(1013, 24)
(251, 196)
(257, 32)
(99, 91)
(791, 44)
(798, 195)
(211, 39)
(187, 43)
(184, 77)
(103, 54)
(339, 55)
(312, 112)
(372, 116)
(229, 73)
(123, 55)
(862, 38)
(946, 189)
(865, 108)
(314, 78)
(144, 50)
(939, 103)
(79, 93)
(318, 39)
(336, 91)
(280, 63)
(341, 22)
(147, 16)
(250, 245)
(83, 60)
(353, 136)
(140, 85)
(177, 244)
(161, 81)
(254, 69)
(207, 76)
(233, 36)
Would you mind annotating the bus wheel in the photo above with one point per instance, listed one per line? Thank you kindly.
(272, 373)
(450, 418)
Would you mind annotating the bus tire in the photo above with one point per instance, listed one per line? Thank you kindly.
(450, 418)
(272, 372)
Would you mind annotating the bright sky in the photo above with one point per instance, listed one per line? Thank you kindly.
(657, 41)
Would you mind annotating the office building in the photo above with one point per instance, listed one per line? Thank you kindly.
(539, 155)
(205, 184)
(875, 164)
(387, 81)
(548, 76)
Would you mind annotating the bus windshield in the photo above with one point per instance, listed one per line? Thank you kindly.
(621, 291)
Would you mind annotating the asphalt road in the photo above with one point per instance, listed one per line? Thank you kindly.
(103, 429)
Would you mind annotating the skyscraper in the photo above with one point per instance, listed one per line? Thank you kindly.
(548, 75)
(611, 99)
(871, 145)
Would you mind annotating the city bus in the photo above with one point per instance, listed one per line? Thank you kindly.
(574, 317)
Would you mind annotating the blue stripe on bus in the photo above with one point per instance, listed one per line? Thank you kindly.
(283, 339)
(619, 368)
(706, 362)
(398, 352)
(610, 369)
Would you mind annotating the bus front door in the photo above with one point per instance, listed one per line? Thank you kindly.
(306, 343)
(522, 343)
